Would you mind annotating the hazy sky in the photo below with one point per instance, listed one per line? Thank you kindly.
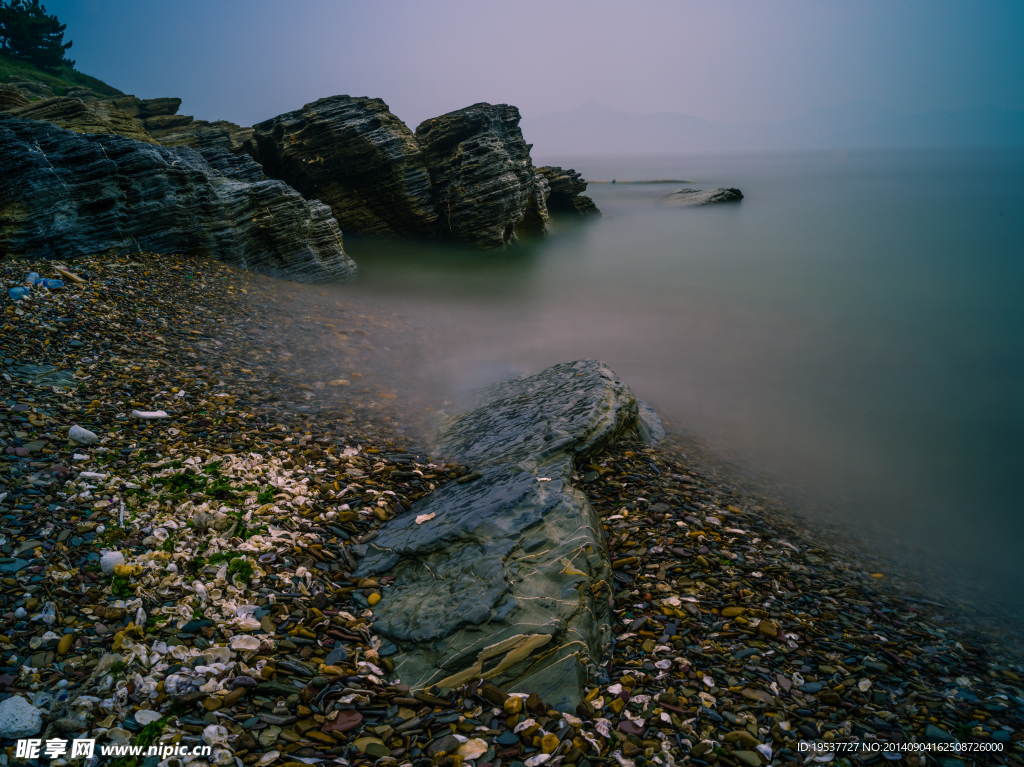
(723, 60)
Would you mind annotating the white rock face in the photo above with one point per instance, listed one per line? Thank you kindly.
(19, 718)
(110, 560)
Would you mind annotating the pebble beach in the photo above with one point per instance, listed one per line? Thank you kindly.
(184, 495)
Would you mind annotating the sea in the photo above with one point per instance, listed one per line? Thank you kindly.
(849, 337)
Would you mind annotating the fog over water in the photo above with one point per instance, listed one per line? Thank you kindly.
(851, 334)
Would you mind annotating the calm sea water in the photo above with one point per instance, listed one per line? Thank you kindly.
(853, 331)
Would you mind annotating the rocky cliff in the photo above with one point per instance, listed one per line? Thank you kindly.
(464, 176)
(81, 117)
(485, 185)
(64, 194)
(567, 188)
(357, 157)
(153, 120)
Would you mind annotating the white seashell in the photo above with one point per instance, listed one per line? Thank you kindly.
(219, 654)
(245, 642)
(524, 725)
(572, 720)
(147, 716)
(215, 735)
(473, 749)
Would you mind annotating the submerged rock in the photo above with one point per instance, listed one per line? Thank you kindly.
(506, 576)
(354, 155)
(567, 188)
(703, 197)
(575, 408)
(64, 194)
(484, 181)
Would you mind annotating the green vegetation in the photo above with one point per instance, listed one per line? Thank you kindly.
(29, 34)
(32, 47)
(237, 565)
(150, 734)
(121, 587)
(241, 568)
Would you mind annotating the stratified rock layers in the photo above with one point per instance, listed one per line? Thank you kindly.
(355, 156)
(81, 117)
(485, 185)
(64, 194)
(506, 577)
(567, 188)
(464, 176)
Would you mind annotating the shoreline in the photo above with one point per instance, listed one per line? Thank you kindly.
(726, 617)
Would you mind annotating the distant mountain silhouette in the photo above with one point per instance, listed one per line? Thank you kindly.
(593, 128)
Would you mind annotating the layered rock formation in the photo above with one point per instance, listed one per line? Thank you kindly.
(160, 118)
(12, 98)
(506, 577)
(464, 176)
(567, 188)
(485, 186)
(81, 117)
(686, 197)
(31, 89)
(63, 194)
(355, 156)
(152, 120)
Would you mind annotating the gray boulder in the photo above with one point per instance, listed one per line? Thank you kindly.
(506, 577)
(575, 408)
(484, 181)
(64, 194)
(685, 197)
(358, 158)
(465, 176)
(567, 188)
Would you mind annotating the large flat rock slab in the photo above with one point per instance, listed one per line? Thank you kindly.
(691, 197)
(569, 409)
(508, 581)
(507, 577)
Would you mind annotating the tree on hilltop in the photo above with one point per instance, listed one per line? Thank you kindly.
(27, 33)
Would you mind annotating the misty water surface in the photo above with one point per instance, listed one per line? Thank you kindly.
(853, 331)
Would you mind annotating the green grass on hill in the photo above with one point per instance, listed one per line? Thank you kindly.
(59, 80)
